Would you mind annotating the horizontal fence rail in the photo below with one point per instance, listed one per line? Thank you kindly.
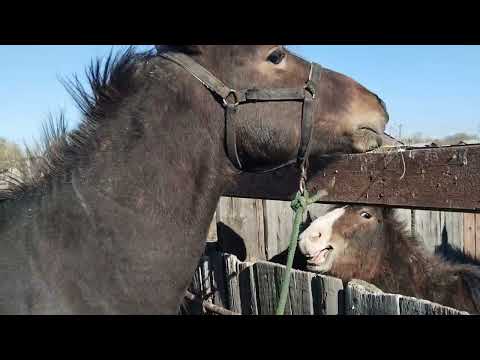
(442, 178)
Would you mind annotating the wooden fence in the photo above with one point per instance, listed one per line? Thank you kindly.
(436, 192)
(254, 229)
(253, 289)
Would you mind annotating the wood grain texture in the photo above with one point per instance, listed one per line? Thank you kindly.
(422, 178)
(269, 278)
(477, 237)
(248, 292)
(216, 266)
(413, 306)
(469, 234)
(278, 224)
(232, 282)
(240, 227)
(451, 226)
(360, 299)
(254, 288)
(240, 289)
(428, 228)
(328, 295)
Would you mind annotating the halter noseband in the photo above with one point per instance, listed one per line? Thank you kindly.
(224, 93)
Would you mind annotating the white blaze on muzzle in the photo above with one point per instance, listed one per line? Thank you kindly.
(318, 235)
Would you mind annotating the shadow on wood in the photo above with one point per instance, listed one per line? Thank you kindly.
(453, 254)
(231, 242)
(299, 260)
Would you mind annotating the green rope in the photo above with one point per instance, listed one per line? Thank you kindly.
(299, 205)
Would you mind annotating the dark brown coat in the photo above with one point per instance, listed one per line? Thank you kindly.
(115, 215)
(369, 243)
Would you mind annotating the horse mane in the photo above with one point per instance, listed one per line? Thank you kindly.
(430, 272)
(109, 82)
(401, 242)
(444, 252)
(186, 49)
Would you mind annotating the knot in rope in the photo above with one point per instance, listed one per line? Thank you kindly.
(300, 201)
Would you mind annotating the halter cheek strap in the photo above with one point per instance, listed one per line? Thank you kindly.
(231, 99)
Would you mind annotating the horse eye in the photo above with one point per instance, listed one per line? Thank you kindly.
(365, 215)
(276, 57)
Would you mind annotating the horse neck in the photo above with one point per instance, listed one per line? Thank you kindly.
(157, 200)
(126, 228)
(405, 267)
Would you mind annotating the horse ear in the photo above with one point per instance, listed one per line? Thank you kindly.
(388, 213)
(305, 224)
(309, 219)
(186, 49)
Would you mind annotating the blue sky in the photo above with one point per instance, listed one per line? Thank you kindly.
(429, 89)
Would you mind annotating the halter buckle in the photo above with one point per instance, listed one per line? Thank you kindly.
(236, 100)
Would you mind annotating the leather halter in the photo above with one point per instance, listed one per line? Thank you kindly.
(231, 99)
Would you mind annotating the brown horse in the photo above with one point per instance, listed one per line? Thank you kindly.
(369, 243)
(114, 217)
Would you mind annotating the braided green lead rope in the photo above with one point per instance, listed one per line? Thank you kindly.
(299, 205)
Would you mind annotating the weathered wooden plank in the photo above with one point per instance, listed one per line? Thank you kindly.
(477, 237)
(421, 178)
(405, 216)
(206, 283)
(240, 296)
(241, 229)
(278, 220)
(362, 298)
(248, 293)
(217, 278)
(428, 228)
(232, 283)
(469, 234)
(197, 287)
(269, 278)
(452, 229)
(328, 295)
(413, 306)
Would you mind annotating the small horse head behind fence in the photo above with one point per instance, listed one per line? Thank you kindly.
(370, 244)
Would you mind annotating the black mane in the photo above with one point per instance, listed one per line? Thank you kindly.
(110, 81)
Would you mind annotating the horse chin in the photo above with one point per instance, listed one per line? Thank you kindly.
(322, 266)
(366, 139)
(320, 269)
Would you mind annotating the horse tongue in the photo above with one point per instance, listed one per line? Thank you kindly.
(321, 256)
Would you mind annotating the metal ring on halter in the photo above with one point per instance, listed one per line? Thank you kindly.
(301, 186)
(303, 178)
(234, 93)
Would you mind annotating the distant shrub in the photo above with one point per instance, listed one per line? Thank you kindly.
(11, 155)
